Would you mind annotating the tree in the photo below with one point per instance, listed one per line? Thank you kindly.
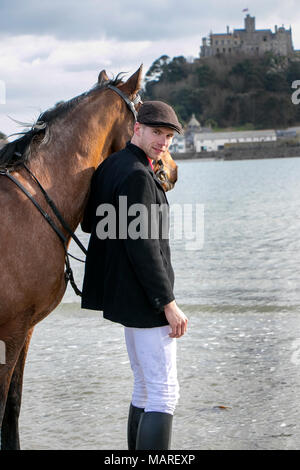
(175, 70)
(157, 68)
(231, 91)
(205, 75)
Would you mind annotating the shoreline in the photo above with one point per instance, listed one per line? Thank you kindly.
(254, 151)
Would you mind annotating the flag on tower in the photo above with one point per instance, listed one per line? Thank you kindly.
(246, 9)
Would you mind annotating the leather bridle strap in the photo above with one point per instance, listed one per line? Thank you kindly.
(130, 104)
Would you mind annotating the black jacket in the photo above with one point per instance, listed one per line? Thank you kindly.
(129, 279)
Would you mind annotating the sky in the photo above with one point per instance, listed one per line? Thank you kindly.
(54, 50)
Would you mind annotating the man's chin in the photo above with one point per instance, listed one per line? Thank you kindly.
(156, 155)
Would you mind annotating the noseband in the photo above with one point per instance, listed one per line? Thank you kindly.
(163, 177)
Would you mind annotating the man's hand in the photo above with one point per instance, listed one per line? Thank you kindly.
(176, 318)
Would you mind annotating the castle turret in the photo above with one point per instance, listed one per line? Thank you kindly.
(250, 24)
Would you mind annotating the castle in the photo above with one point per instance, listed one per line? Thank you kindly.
(249, 41)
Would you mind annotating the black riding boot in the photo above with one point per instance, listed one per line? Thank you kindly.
(132, 426)
(154, 432)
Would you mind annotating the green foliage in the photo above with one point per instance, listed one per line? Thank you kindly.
(228, 92)
(205, 75)
(157, 68)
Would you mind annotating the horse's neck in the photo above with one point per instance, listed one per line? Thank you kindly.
(66, 164)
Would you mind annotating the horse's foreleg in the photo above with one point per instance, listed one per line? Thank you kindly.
(10, 424)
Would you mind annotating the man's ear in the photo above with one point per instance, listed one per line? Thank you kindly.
(137, 128)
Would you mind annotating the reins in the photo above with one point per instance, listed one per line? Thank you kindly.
(68, 271)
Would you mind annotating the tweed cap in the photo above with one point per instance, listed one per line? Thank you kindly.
(158, 114)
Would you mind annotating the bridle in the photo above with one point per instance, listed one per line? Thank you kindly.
(161, 175)
(7, 172)
(130, 104)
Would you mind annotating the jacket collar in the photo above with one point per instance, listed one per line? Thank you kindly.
(138, 152)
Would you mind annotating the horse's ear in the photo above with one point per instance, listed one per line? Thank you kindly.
(134, 83)
(102, 77)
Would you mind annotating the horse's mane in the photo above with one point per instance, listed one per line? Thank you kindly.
(16, 153)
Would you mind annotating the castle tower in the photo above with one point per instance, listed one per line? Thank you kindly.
(250, 24)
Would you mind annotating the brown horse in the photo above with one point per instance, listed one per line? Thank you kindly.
(62, 151)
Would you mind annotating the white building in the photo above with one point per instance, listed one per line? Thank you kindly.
(178, 144)
(211, 141)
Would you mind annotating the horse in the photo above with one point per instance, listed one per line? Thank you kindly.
(60, 152)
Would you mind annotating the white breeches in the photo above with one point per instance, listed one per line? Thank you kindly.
(152, 355)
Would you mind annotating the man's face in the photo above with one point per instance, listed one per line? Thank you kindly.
(155, 141)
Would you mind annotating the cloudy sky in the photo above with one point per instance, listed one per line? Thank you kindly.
(52, 50)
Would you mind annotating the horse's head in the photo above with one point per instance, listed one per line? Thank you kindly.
(125, 116)
(123, 107)
(166, 171)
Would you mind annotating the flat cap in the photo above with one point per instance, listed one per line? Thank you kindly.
(158, 114)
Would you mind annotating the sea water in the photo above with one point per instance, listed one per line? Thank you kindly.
(239, 362)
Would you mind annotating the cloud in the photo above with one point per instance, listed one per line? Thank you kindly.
(40, 70)
(54, 50)
(131, 20)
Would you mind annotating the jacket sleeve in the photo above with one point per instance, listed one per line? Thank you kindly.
(144, 252)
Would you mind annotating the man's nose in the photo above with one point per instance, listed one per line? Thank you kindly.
(163, 140)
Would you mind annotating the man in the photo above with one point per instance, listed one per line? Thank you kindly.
(129, 274)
